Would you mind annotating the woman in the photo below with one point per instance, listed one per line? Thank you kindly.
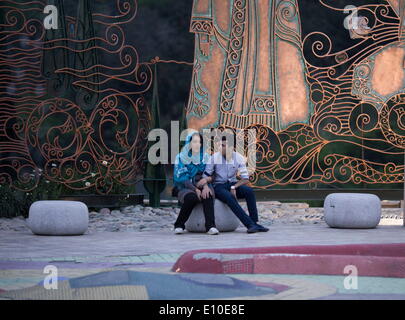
(188, 169)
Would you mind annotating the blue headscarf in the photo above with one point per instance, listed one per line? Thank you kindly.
(187, 165)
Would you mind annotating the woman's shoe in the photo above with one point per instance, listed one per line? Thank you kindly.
(179, 231)
(213, 231)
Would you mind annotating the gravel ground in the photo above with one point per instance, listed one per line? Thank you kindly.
(140, 218)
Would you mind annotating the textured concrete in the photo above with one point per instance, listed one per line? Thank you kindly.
(23, 244)
(58, 217)
(225, 219)
(352, 210)
(23, 257)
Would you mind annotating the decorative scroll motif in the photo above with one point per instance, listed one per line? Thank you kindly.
(262, 112)
(364, 75)
(201, 25)
(232, 67)
(355, 128)
(198, 105)
(286, 13)
(71, 99)
(263, 104)
(392, 117)
(361, 82)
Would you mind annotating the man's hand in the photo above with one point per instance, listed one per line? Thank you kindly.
(206, 192)
(241, 182)
(233, 192)
(202, 182)
(198, 192)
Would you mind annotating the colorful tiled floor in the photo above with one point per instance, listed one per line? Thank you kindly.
(132, 265)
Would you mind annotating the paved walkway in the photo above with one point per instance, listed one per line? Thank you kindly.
(16, 245)
(150, 254)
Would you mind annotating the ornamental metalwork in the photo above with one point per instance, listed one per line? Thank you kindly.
(322, 82)
(71, 99)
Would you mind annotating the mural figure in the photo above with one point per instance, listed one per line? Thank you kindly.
(322, 81)
(248, 63)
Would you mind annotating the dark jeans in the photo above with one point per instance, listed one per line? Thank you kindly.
(223, 193)
(190, 200)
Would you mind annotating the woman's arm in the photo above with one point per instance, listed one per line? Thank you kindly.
(189, 184)
(180, 174)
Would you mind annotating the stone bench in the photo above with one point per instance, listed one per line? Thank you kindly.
(225, 219)
(58, 217)
(352, 210)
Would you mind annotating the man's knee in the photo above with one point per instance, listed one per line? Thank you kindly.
(220, 191)
(221, 195)
(246, 190)
(224, 195)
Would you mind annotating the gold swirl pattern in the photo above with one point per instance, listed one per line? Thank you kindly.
(353, 135)
(66, 111)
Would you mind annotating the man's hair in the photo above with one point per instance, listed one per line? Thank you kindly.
(228, 140)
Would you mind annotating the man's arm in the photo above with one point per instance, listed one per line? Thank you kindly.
(244, 174)
(204, 182)
(241, 182)
(207, 176)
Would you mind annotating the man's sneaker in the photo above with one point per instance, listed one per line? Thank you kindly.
(213, 231)
(179, 231)
(253, 229)
(261, 228)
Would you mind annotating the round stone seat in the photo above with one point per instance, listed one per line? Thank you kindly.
(352, 210)
(225, 219)
(58, 217)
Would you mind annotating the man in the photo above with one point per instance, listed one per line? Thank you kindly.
(221, 169)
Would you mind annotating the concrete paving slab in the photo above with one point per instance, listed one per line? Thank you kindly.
(23, 245)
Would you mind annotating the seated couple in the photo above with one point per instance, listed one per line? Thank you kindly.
(199, 177)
